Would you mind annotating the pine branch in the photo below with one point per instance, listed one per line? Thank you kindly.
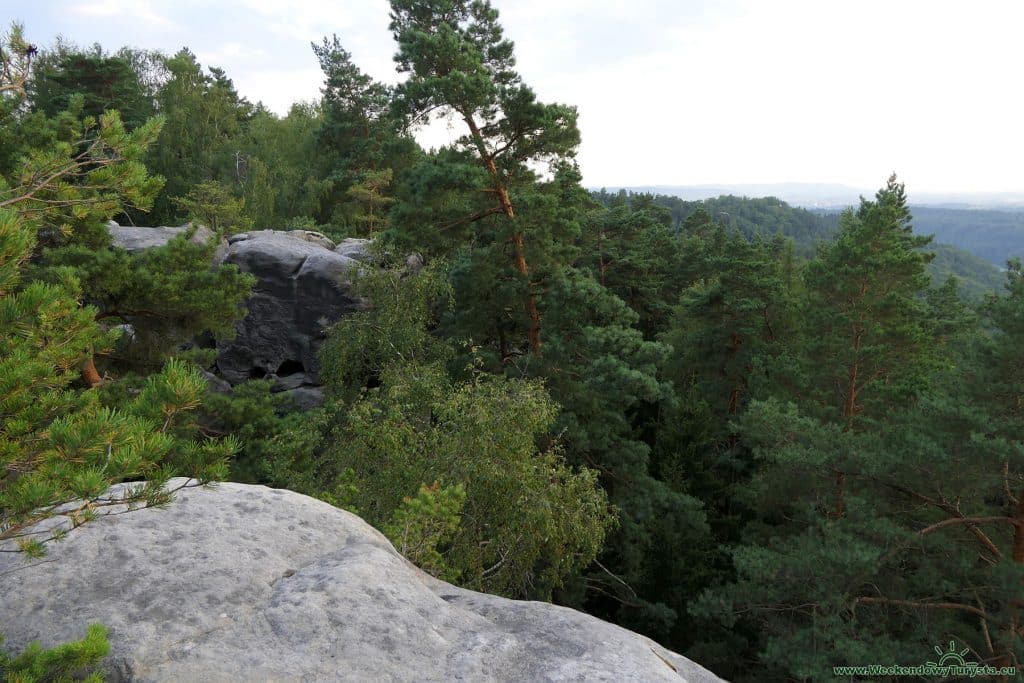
(957, 606)
(472, 218)
(967, 520)
(949, 509)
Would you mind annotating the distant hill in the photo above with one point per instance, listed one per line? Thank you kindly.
(765, 216)
(814, 195)
(832, 195)
(769, 216)
(993, 235)
(977, 276)
(811, 195)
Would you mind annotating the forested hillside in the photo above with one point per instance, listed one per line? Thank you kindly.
(994, 235)
(767, 217)
(772, 443)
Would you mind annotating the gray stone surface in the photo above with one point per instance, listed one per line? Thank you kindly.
(288, 382)
(307, 398)
(313, 237)
(300, 290)
(135, 239)
(355, 248)
(245, 583)
(215, 383)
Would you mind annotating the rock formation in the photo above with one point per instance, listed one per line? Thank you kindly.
(301, 288)
(246, 583)
(134, 239)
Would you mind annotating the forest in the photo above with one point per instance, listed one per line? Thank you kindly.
(770, 442)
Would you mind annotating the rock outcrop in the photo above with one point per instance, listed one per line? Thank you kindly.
(246, 583)
(301, 288)
(135, 239)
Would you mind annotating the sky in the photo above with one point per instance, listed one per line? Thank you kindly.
(670, 92)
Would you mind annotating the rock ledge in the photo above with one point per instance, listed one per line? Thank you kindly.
(243, 582)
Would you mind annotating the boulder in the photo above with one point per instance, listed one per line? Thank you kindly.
(246, 583)
(288, 382)
(215, 383)
(355, 248)
(313, 237)
(135, 239)
(301, 289)
(307, 398)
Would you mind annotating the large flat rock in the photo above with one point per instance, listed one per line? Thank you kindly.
(246, 583)
(135, 239)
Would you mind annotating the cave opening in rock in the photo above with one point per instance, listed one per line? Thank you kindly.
(290, 367)
(257, 372)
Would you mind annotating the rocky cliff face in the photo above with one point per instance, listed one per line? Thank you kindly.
(246, 583)
(302, 287)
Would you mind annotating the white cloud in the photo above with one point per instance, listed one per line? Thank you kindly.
(141, 11)
(671, 92)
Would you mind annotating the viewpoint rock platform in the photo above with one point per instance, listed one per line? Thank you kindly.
(245, 583)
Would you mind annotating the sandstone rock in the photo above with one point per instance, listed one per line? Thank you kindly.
(307, 398)
(300, 290)
(288, 382)
(355, 248)
(135, 239)
(245, 583)
(313, 237)
(414, 263)
(215, 383)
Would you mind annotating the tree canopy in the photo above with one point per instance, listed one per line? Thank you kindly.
(776, 440)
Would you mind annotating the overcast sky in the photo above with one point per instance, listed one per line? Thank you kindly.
(670, 92)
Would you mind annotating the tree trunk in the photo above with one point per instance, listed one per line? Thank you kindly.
(849, 412)
(1018, 555)
(518, 252)
(90, 375)
(533, 331)
(734, 401)
(502, 344)
(839, 508)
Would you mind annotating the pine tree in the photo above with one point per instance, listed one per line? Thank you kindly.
(16, 55)
(459, 62)
(68, 175)
(369, 192)
(886, 504)
(212, 205)
(74, 661)
(103, 81)
(730, 318)
(633, 252)
(866, 311)
(168, 295)
(59, 443)
(360, 142)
